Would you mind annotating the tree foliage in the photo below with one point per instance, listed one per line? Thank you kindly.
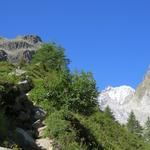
(74, 120)
(133, 125)
(147, 130)
(108, 113)
(83, 93)
(52, 57)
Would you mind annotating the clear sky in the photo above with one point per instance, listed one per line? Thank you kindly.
(110, 38)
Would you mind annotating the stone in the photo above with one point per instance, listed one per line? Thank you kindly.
(39, 113)
(3, 55)
(32, 38)
(3, 148)
(14, 44)
(45, 143)
(37, 124)
(23, 116)
(24, 139)
(24, 86)
(41, 131)
(27, 55)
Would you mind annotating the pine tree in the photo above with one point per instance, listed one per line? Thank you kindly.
(131, 122)
(109, 113)
(138, 128)
(133, 125)
(147, 129)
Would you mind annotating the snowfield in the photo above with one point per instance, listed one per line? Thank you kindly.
(122, 100)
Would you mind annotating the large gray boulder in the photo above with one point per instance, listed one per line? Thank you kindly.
(25, 140)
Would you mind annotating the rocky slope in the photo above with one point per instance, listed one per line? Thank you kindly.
(124, 99)
(27, 119)
(19, 49)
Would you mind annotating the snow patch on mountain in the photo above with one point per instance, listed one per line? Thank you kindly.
(124, 99)
(118, 99)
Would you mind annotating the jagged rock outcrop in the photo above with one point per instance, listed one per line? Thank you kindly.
(3, 55)
(122, 100)
(32, 38)
(25, 139)
(26, 118)
(21, 48)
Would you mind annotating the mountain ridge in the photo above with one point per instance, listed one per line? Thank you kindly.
(123, 101)
(20, 48)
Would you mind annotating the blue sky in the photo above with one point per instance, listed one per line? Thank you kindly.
(110, 38)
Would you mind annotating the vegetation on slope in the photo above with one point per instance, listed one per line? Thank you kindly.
(74, 120)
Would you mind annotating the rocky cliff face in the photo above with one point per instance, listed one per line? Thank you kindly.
(122, 100)
(20, 48)
(27, 119)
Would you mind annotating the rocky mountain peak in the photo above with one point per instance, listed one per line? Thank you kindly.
(31, 38)
(22, 47)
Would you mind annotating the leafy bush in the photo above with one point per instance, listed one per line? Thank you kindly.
(83, 94)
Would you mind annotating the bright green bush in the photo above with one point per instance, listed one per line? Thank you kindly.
(83, 93)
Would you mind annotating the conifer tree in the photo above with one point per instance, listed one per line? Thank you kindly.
(109, 113)
(147, 129)
(133, 125)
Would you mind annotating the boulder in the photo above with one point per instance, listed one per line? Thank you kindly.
(39, 113)
(23, 116)
(27, 55)
(38, 124)
(25, 140)
(3, 55)
(25, 86)
(40, 131)
(45, 144)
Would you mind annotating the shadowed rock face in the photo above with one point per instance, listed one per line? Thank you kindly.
(32, 38)
(3, 55)
(12, 45)
(20, 48)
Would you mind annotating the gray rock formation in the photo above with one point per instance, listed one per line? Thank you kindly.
(20, 48)
(39, 113)
(32, 38)
(25, 139)
(3, 55)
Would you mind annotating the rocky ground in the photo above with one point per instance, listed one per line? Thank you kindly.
(29, 118)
